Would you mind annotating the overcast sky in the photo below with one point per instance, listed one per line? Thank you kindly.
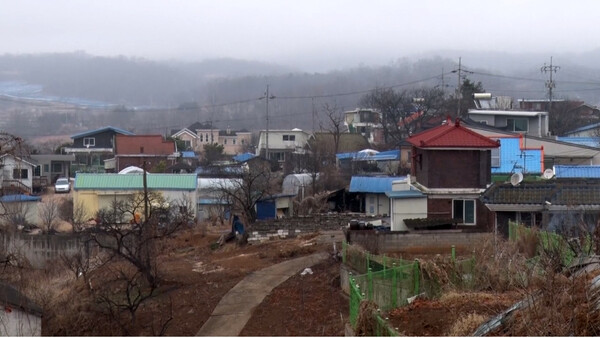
(300, 32)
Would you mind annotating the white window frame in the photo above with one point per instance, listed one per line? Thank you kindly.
(86, 141)
(464, 201)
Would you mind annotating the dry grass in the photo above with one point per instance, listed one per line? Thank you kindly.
(466, 325)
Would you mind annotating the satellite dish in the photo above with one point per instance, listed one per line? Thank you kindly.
(548, 174)
(516, 178)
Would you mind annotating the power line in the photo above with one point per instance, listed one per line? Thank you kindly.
(550, 84)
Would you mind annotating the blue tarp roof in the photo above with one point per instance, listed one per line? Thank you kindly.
(378, 185)
(100, 130)
(388, 155)
(513, 159)
(19, 198)
(573, 171)
(584, 141)
(243, 157)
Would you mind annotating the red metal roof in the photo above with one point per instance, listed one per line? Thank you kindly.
(451, 135)
(143, 144)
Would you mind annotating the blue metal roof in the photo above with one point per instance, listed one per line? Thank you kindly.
(19, 198)
(188, 154)
(584, 128)
(585, 141)
(212, 201)
(377, 185)
(513, 159)
(100, 130)
(405, 194)
(573, 171)
(243, 157)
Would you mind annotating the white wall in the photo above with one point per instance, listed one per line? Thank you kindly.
(407, 208)
(19, 323)
(377, 204)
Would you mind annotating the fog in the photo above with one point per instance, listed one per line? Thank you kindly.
(308, 35)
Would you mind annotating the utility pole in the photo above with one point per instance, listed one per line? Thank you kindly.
(267, 97)
(312, 99)
(459, 88)
(550, 83)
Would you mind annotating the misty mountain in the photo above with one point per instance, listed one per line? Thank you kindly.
(173, 94)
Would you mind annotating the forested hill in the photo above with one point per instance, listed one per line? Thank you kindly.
(226, 91)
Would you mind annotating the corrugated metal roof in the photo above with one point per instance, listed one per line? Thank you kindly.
(378, 185)
(389, 155)
(586, 141)
(19, 198)
(405, 194)
(135, 181)
(188, 154)
(584, 128)
(574, 171)
(513, 159)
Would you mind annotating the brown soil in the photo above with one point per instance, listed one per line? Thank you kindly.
(193, 280)
(309, 305)
(440, 317)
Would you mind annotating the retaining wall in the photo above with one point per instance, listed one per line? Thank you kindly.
(39, 249)
(386, 242)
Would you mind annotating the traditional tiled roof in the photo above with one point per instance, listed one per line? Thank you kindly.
(567, 192)
(451, 135)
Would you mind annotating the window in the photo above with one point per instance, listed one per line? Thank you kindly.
(37, 171)
(46, 168)
(243, 141)
(89, 141)
(496, 157)
(465, 210)
(233, 141)
(187, 144)
(289, 137)
(225, 141)
(20, 174)
(57, 167)
(517, 125)
(277, 156)
(201, 137)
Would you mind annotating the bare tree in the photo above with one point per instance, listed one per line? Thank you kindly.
(404, 111)
(255, 183)
(74, 213)
(130, 229)
(334, 124)
(15, 214)
(48, 214)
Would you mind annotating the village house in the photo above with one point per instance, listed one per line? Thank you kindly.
(98, 191)
(50, 167)
(135, 150)
(281, 144)
(366, 122)
(92, 147)
(451, 165)
(17, 174)
(198, 135)
(368, 194)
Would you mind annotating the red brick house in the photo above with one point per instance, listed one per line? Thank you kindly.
(133, 150)
(452, 166)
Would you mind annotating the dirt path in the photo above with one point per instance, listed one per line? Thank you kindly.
(235, 309)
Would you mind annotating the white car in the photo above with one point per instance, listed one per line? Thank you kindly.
(62, 185)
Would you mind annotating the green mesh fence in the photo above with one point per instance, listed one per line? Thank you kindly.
(389, 282)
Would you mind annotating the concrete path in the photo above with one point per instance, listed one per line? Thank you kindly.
(235, 308)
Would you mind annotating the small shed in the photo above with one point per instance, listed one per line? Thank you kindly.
(371, 190)
(275, 206)
(297, 183)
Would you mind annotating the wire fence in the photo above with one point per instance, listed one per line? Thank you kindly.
(390, 282)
